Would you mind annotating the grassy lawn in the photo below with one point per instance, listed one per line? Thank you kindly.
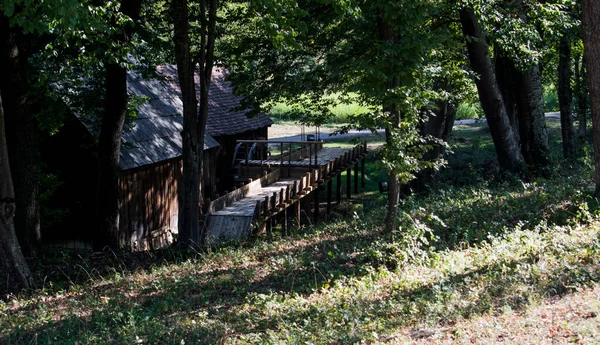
(481, 258)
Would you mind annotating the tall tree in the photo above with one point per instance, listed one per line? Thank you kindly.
(10, 251)
(111, 131)
(565, 96)
(388, 38)
(532, 121)
(21, 134)
(381, 53)
(194, 118)
(582, 96)
(591, 41)
(530, 105)
(503, 134)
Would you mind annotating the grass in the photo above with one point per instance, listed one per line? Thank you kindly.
(341, 111)
(480, 258)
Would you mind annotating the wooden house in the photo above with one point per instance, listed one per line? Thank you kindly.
(151, 163)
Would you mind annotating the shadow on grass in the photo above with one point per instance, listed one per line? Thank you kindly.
(297, 270)
(164, 309)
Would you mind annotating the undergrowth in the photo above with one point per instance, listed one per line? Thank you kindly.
(477, 244)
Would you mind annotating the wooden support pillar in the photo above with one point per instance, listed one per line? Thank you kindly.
(307, 205)
(268, 218)
(338, 188)
(317, 201)
(349, 182)
(283, 203)
(356, 178)
(329, 197)
(362, 172)
(297, 207)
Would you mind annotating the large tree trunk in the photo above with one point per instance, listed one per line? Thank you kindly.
(189, 191)
(194, 119)
(205, 61)
(20, 139)
(503, 135)
(591, 40)
(109, 143)
(565, 96)
(581, 94)
(532, 119)
(505, 72)
(530, 109)
(109, 151)
(11, 251)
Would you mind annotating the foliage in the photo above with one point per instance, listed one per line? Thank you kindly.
(469, 111)
(550, 99)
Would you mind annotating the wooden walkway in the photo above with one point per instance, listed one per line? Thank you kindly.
(271, 197)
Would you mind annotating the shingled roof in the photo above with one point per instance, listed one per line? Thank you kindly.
(155, 135)
(222, 119)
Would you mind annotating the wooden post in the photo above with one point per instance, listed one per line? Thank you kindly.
(338, 187)
(329, 182)
(297, 206)
(362, 172)
(308, 185)
(307, 204)
(317, 201)
(356, 178)
(349, 182)
(268, 215)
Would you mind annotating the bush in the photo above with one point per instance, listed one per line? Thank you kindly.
(550, 99)
(469, 111)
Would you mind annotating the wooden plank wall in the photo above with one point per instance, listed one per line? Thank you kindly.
(149, 204)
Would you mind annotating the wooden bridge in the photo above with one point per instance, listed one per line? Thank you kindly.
(276, 187)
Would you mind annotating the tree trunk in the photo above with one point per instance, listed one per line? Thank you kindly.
(503, 135)
(591, 40)
(565, 96)
(109, 143)
(194, 119)
(390, 110)
(581, 94)
(11, 251)
(20, 139)
(532, 119)
(505, 72)
(439, 125)
(109, 151)
(189, 191)
(205, 61)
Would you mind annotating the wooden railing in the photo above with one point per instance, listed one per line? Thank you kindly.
(277, 201)
(281, 199)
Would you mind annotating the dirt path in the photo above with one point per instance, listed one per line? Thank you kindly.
(281, 131)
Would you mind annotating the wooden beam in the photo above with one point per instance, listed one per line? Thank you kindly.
(349, 182)
(329, 197)
(356, 178)
(317, 202)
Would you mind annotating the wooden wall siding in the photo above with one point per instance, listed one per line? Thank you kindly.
(149, 203)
